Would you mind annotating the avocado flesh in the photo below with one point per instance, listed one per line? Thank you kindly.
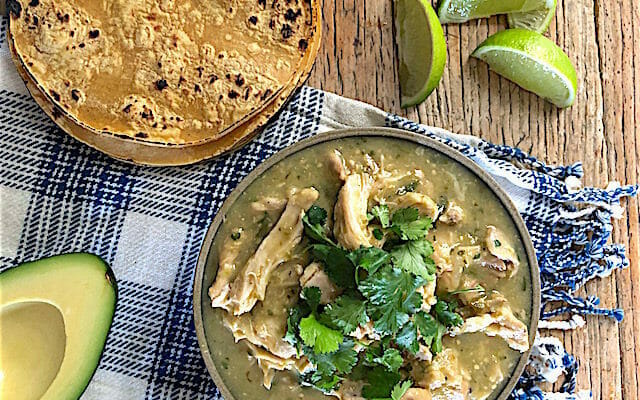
(55, 314)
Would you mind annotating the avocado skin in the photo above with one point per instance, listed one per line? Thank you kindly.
(66, 267)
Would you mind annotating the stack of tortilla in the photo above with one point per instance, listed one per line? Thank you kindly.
(163, 82)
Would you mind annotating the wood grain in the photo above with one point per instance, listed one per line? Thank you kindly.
(602, 130)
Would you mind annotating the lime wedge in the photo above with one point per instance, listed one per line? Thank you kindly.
(464, 10)
(533, 62)
(422, 50)
(536, 20)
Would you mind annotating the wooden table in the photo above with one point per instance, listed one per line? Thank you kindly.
(602, 130)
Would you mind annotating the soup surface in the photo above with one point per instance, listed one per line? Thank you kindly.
(363, 266)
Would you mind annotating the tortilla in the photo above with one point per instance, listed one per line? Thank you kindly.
(142, 153)
(164, 73)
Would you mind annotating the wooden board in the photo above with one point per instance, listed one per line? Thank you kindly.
(602, 130)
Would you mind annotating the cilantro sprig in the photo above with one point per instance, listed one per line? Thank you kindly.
(379, 288)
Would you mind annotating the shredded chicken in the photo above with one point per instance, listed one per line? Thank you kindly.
(350, 212)
(269, 205)
(250, 285)
(452, 215)
(416, 393)
(425, 205)
(314, 276)
(350, 390)
(442, 256)
(443, 377)
(365, 332)
(428, 293)
(338, 165)
(266, 324)
(270, 363)
(226, 268)
(497, 319)
(502, 260)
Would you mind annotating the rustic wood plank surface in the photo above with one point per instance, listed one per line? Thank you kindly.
(602, 130)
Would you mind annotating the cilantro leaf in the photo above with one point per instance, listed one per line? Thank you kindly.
(380, 383)
(293, 320)
(407, 223)
(336, 264)
(382, 213)
(392, 295)
(391, 359)
(325, 382)
(400, 389)
(445, 313)
(378, 234)
(312, 295)
(316, 215)
(343, 360)
(322, 338)
(369, 258)
(407, 338)
(347, 313)
(314, 221)
(414, 257)
(431, 330)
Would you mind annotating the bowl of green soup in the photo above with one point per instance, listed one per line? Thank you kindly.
(367, 264)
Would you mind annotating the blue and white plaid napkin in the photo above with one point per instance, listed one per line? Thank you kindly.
(60, 196)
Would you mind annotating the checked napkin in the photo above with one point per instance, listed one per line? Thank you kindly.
(60, 196)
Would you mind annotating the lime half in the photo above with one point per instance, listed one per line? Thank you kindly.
(464, 10)
(533, 62)
(422, 50)
(536, 20)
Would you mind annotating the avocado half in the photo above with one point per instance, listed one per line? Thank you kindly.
(55, 314)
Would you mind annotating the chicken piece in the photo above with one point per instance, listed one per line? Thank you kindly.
(497, 319)
(338, 165)
(442, 257)
(443, 377)
(425, 205)
(470, 297)
(314, 276)
(452, 215)
(350, 390)
(266, 324)
(424, 353)
(219, 291)
(503, 258)
(269, 205)
(416, 393)
(270, 363)
(365, 333)
(250, 285)
(428, 293)
(350, 212)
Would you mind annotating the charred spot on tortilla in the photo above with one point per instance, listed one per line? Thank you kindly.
(291, 15)
(94, 33)
(75, 94)
(239, 80)
(34, 3)
(14, 7)
(253, 20)
(286, 31)
(142, 135)
(233, 94)
(161, 84)
(303, 44)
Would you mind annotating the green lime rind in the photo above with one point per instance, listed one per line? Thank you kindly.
(533, 62)
(422, 50)
(536, 20)
(458, 11)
